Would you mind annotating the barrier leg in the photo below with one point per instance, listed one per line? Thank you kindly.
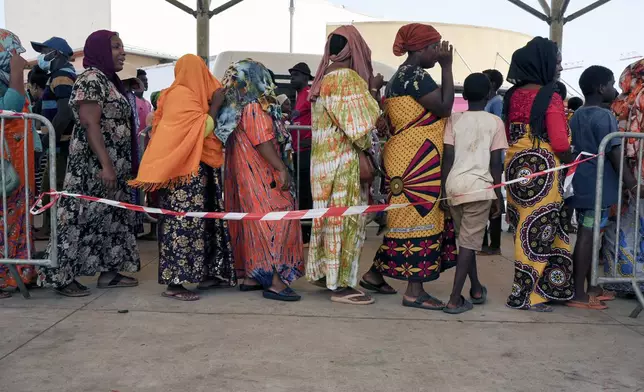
(19, 282)
(640, 298)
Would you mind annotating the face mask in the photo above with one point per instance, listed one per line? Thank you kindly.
(43, 64)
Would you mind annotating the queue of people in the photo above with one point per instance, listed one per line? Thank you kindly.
(432, 157)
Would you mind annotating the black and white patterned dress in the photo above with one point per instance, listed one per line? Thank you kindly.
(94, 237)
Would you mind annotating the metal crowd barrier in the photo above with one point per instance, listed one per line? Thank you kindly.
(29, 198)
(637, 238)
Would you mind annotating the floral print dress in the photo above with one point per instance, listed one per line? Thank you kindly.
(94, 237)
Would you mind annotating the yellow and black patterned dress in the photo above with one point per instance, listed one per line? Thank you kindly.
(420, 243)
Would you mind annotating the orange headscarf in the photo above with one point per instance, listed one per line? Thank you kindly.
(414, 37)
(177, 143)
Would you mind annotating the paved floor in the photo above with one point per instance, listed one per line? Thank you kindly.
(232, 341)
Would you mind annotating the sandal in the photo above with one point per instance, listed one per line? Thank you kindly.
(320, 283)
(593, 303)
(74, 289)
(465, 306)
(420, 302)
(151, 236)
(541, 308)
(247, 287)
(215, 284)
(381, 288)
(286, 295)
(606, 295)
(181, 295)
(5, 294)
(480, 300)
(353, 299)
(118, 281)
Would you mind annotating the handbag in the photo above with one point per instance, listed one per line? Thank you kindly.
(10, 179)
(365, 161)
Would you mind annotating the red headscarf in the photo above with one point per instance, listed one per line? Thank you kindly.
(414, 37)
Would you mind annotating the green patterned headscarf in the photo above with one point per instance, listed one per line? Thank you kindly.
(154, 97)
(248, 81)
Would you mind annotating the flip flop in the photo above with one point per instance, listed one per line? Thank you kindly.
(347, 299)
(378, 288)
(5, 294)
(218, 284)
(593, 303)
(246, 287)
(82, 291)
(186, 295)
(607, 295)
(320, 283)
(420, 302)
(481, 300)
(465, 306)
(286, 295)
(117, 282)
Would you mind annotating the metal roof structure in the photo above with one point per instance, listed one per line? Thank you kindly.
(554, 14)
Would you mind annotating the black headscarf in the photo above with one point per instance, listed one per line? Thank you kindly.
(535, 63)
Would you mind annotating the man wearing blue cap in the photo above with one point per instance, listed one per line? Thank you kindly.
(54, 57)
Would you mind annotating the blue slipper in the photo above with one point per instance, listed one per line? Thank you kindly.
(482, 299)
(287, 295)
(464, 307)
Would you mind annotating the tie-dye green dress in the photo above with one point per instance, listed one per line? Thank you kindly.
(344, 116)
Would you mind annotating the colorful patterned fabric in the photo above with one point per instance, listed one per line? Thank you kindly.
(420, 243)
(628, 242)
(252, 185)
(543, 263)
(193, 250)
(94, 237)
(629, 109)
(629, 106)
(16, 207)
(9, 46)
(336, 243)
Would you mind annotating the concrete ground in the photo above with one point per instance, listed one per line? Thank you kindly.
(232, 341)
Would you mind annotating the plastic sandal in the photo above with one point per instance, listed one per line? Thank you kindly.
(349, 299)
(420, 302)
(286, 295)
(465, 306)
(246, 287)
(593, 303)
(184, 295)
(80, 291)
(482, 299)
(378, 288)
(607, 295)
(118, 282)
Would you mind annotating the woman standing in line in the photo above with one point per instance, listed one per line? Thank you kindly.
(13, 97)
(182, 161)
(420, 243)
(258, 178)
(345, 111)
(94, 237)
(539, 140)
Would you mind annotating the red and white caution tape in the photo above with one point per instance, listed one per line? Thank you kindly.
(291, 215)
